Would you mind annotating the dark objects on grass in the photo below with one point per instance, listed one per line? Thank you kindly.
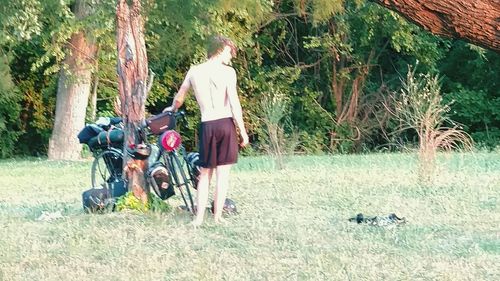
(102, 199)
(98, 200)
(391, 219)
(229, 207)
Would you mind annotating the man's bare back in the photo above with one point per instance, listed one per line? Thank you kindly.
(213, 83)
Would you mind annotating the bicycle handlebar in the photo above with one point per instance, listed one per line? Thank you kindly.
(181, 114)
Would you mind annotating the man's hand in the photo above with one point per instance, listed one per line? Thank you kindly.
(244, 139)
(169, 108)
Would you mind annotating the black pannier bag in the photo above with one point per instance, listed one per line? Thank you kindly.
(101, 200)
(161, 122)
(97, 200)
(89, 132)
(118, 186)
(107, 138)
(160, 181)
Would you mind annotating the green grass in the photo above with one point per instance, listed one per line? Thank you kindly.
(293, 224)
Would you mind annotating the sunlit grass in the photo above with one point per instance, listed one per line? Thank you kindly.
(293, 224)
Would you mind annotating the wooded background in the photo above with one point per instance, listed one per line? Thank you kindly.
(328, 64)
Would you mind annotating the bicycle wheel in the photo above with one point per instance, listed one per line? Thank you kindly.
(106, 168)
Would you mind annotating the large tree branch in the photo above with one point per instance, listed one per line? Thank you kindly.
(475, 21)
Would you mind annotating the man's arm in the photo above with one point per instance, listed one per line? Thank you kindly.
(181, 94)
(234, 101)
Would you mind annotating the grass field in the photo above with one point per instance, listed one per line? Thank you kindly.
(293, 224)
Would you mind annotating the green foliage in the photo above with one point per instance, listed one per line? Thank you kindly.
(9, 111)
(62, 23)
(21, 20)
(273, 89)
(37, 117)
(130, 202)
(471, 83)
(313, 143)
(296, 47)
(319, 10)
(6, 84)
(38, 99)
(479, 111)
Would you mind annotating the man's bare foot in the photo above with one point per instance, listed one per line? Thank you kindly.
(195, 223)
(220, 220)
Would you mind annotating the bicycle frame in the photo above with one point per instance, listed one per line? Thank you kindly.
(179, 176)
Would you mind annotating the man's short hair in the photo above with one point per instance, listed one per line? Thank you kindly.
(217, 43)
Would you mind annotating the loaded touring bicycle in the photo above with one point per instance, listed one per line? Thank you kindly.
(170, 168)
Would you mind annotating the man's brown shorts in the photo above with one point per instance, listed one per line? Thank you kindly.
(218, 143)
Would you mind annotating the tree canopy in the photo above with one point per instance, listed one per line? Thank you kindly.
(334, 61)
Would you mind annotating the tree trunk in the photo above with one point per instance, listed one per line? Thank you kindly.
(476, 21)
(93, 98)
(132, 83)
(95, 85)
(72, 93)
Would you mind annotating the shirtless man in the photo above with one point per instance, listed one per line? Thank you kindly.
(214, 85)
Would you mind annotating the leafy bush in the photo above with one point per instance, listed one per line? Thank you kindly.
(130, 202)
(37, 116)
(9, 111)
(479, 112)
(470, 81)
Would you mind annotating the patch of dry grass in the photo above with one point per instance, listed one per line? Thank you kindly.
(292, 224)
(419, 107)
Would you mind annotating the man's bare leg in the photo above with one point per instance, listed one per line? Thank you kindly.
(202, 195)
(221, 191)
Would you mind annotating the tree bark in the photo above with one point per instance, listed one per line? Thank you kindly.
(132, 71)
(475, 21)
(95, 86)
(72, 93)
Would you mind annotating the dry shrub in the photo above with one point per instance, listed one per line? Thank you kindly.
(274, 112)
(419, 107)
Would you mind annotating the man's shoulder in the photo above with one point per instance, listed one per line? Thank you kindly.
(204, 68)
(229, 69)
(193, 67)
